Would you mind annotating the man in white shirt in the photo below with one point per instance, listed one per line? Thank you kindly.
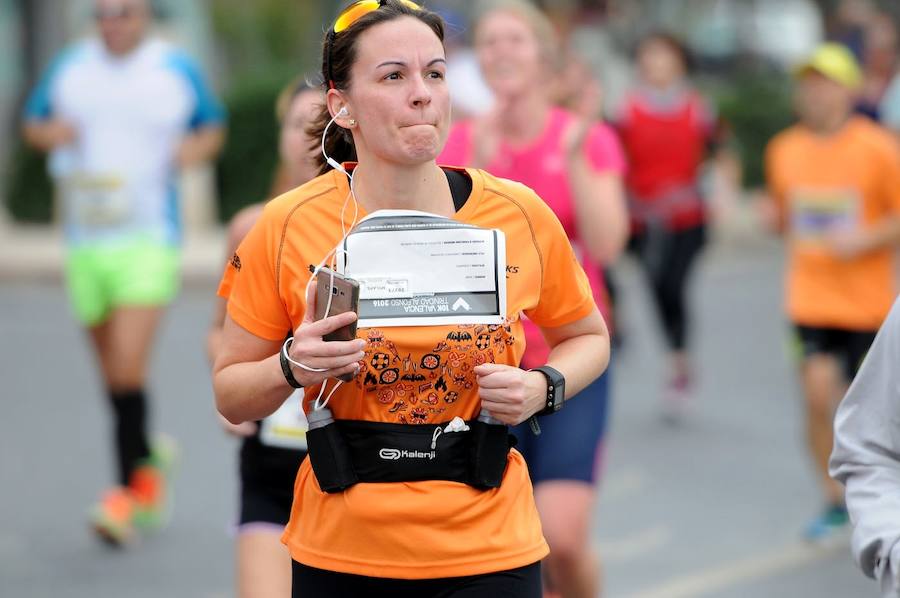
(119, 115)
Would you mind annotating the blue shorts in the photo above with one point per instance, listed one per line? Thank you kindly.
(571, 440)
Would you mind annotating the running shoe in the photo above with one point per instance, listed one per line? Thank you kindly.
(831, 526)
(676, 399)
(112, 519)
(151, 487)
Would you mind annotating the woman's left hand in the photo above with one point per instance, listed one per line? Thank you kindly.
(510, 394)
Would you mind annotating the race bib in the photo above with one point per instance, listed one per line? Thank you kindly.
(817, 213)
(98, 202)
(419, 269)
(287, 427)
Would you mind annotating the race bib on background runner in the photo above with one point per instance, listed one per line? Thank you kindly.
(98, 202)
(816, 213)
(419, 269)
(287, 427)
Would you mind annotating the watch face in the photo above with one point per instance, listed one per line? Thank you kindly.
(556, 388)
(559, 393)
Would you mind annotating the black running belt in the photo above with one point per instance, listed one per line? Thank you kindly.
(346, 452)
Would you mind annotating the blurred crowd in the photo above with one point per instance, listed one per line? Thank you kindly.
(621, 136)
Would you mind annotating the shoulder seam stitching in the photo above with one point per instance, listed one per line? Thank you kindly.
(537, 247)
(284, 227)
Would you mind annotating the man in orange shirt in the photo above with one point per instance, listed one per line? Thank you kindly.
(835, 179)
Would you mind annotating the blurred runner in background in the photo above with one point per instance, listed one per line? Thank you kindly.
(575, 164)
(835, 181)
(272, 449)
(666, 127)
(120, 114)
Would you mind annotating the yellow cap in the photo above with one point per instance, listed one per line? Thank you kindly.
(834, 61)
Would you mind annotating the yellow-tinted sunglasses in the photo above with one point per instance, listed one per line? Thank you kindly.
(350, 15)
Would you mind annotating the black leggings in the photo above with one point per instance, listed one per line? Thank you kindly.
(667, 257)
(524, 582)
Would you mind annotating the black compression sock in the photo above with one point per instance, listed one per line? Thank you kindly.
(130, 408)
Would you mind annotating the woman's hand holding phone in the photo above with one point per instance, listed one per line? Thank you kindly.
(337, 358)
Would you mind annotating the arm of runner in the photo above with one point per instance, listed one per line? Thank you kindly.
(42, 128)
(206, 132)
(214, 336)
(595, 164)
(201, 145)
(866, 457)
(602, 214)
(240, 225)
(486, 137)
(886, 232)
(46, 135)
(247, 377)
(579, 351)
(770, 206)
(213, 340)
(852, 244)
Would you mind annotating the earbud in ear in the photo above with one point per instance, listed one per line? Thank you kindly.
(342, 112)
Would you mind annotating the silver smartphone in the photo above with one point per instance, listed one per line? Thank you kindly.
(344, 293)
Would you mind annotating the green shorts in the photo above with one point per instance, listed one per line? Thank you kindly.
(103, 277)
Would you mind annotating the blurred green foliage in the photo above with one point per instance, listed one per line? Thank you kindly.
(247, 163)
(28, 192)
(755, 106)
(244, 170)
(265, 36)
(265, 44)
(262, 46)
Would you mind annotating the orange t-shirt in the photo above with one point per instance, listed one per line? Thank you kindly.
(413, 375)
(849, 181)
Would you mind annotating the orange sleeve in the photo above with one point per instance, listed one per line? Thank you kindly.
(249, 282)
(240, 225)
(224, 290)
(565, 291)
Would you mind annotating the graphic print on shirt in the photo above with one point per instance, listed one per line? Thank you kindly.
(420, 388)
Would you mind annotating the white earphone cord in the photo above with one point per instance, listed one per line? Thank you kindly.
(318, 403)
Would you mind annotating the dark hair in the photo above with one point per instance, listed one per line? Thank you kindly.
(339, 142)
(673, 42)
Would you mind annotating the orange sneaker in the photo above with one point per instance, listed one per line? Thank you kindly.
(150, 486)
(112, 519)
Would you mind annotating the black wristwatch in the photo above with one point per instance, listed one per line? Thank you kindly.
(556, 389)
(286, 368)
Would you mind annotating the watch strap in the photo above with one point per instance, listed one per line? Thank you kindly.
(286, 367)
(556, 393)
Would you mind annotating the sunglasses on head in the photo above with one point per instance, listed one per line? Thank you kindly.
(350, 15)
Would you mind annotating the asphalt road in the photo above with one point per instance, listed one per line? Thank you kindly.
(713, 507)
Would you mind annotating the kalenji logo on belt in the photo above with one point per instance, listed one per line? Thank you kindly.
(392, 454)
(389, 454)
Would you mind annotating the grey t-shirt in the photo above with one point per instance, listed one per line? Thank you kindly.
(890, 105)
(866, 457)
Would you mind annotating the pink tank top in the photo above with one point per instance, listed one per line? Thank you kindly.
(541, 166)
